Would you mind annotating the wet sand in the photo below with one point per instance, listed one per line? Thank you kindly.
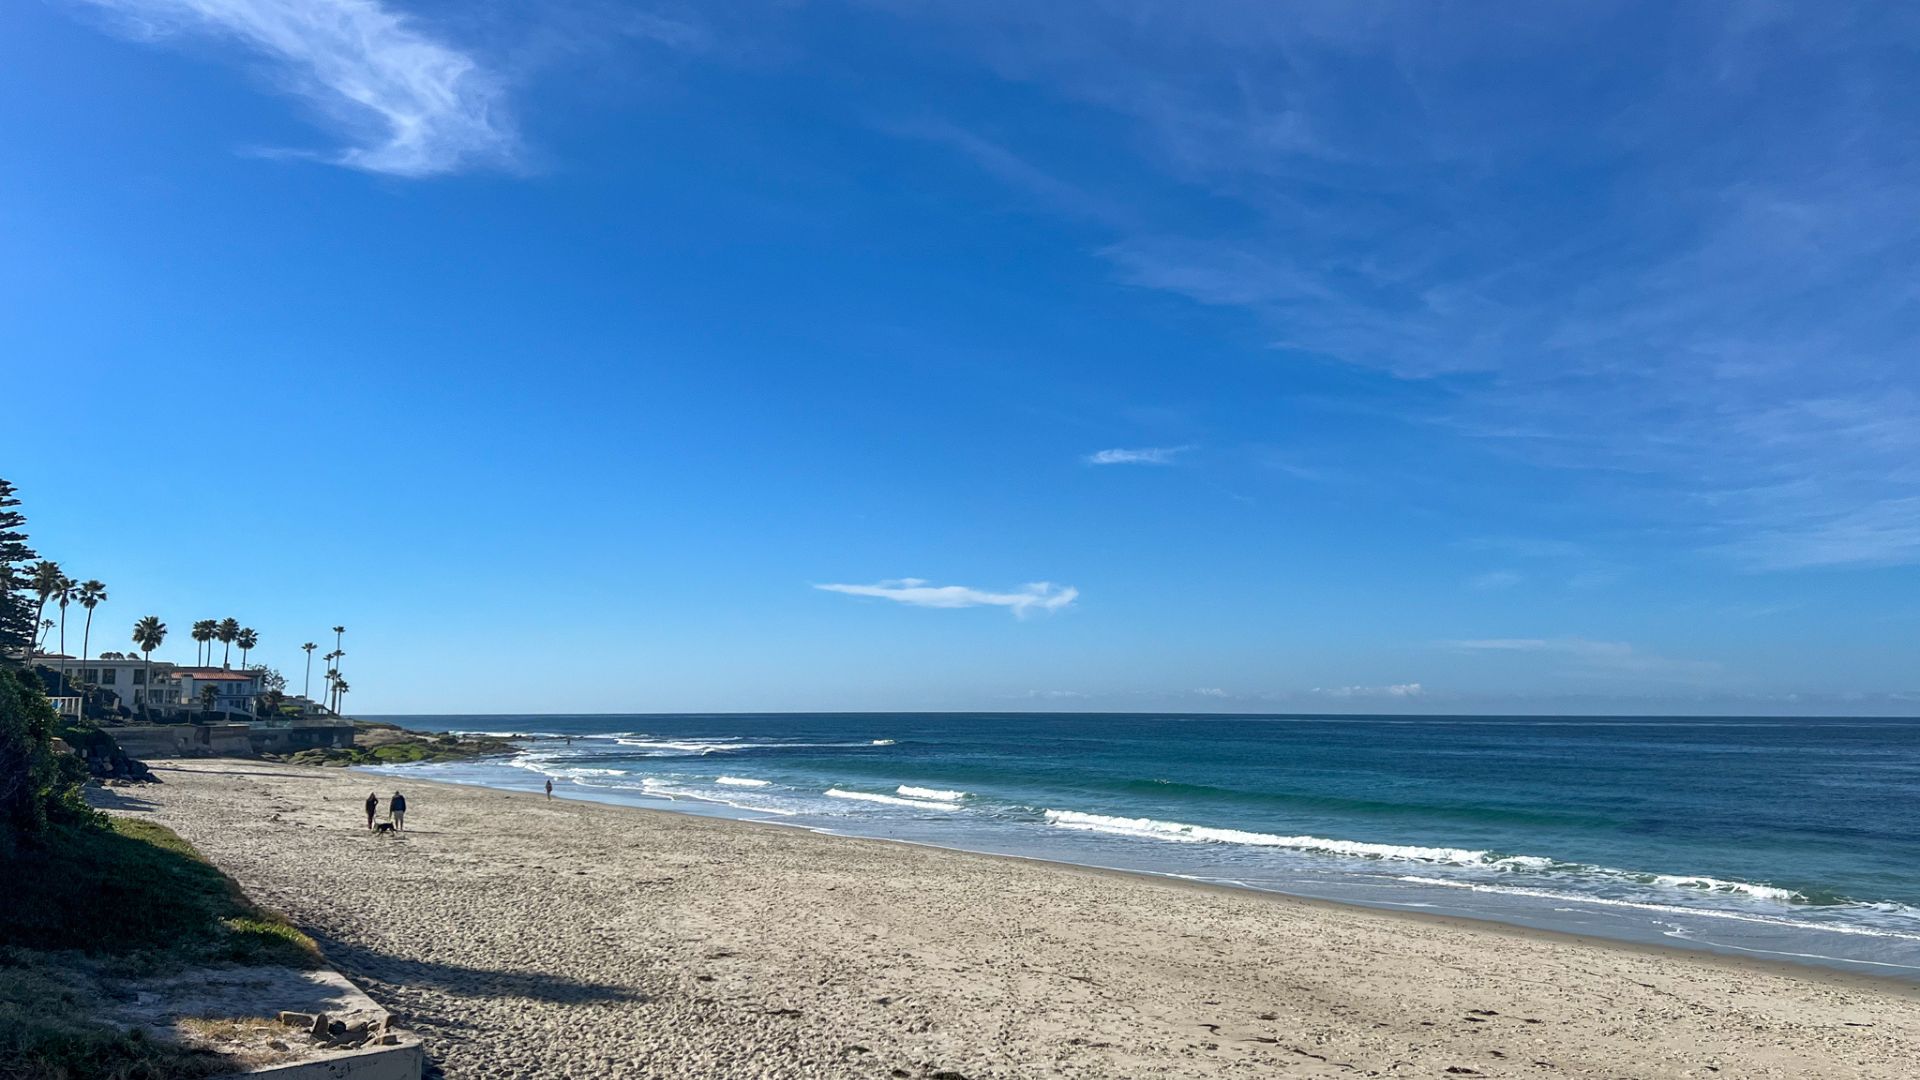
(527, 938)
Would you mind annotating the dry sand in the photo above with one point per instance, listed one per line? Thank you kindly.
(526, 938)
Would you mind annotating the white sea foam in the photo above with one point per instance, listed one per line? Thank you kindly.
(682, 747)
(742, 781)
(1707, 884)
(667, 789)
(675, 746)
(867, 796)
(1150, 829)
(1670, 909)
(936, 794)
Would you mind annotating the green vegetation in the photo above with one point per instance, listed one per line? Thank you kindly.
(18, 627)
(386, 744)
(131, 898)
(45, 1034)
(137, 896)
(39, 788)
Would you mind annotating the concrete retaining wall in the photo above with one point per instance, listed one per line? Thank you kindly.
(402, 1062)
(145, 741)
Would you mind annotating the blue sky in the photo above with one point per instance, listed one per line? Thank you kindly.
(1241, 356)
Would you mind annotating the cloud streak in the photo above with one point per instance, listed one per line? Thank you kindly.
(1148, 455)
(1029, 599)
(1396, 690)
(407, 104)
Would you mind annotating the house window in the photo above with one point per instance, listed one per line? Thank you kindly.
(139, 677)
(90, 675)
(108, 676)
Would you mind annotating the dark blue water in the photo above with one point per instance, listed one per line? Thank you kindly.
(1790, 838)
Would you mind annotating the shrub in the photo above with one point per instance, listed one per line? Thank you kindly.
(38, 787)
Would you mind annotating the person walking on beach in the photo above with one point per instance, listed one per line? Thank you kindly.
(549, 789)
(397, 810)
(373, 807)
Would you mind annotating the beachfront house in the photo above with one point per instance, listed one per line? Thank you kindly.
(128, 679)
(234, 691)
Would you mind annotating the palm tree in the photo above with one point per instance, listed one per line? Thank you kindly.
(40, 640)
(207, 695)
(340, 689)
(91, 593)
(148, 633)
(203, 633)
(337, 651)
(247, 638)
(45, 583)
(333, 672)
(226, 632)
(66, 594)
(306, 688)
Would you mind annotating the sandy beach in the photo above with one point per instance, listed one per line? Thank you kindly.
(527, 938)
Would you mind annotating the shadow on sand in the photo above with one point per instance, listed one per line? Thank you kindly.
(360, 963)
(106, 798)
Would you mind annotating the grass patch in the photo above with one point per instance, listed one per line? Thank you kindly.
(129, 899)
(44, 1034)
(410, 749)
(137, 894)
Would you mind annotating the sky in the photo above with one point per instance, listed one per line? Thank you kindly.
(1246, 357)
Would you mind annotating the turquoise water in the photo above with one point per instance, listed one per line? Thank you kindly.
(1796, 839)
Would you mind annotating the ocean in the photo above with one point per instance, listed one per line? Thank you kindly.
(1791, 839)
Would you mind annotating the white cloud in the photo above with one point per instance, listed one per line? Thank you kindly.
(1397, 690)
(1211, 691)
(409, 105)
(1148, 455)
(1496, 579)
(1038, 596)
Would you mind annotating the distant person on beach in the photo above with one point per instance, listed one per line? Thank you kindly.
(373, 807)
(549, 788)
(397, 810)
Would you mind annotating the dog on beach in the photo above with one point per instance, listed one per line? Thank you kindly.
(384, 826)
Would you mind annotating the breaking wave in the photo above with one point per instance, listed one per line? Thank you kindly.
(936, 794)
(868, 796)
(1150, 829)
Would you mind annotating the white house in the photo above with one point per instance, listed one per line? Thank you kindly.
(128, 678)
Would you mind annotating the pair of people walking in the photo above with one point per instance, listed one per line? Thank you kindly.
(396, 811)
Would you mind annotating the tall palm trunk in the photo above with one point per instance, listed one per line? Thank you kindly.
(33, 643)
(306, 688)
(63, 649)
(86, 636)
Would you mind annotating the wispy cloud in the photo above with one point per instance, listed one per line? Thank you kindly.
(1039, 596)
(1148, 455)
(1396, 690)
(1720, 328)
(1494, 580)
(408, 104)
